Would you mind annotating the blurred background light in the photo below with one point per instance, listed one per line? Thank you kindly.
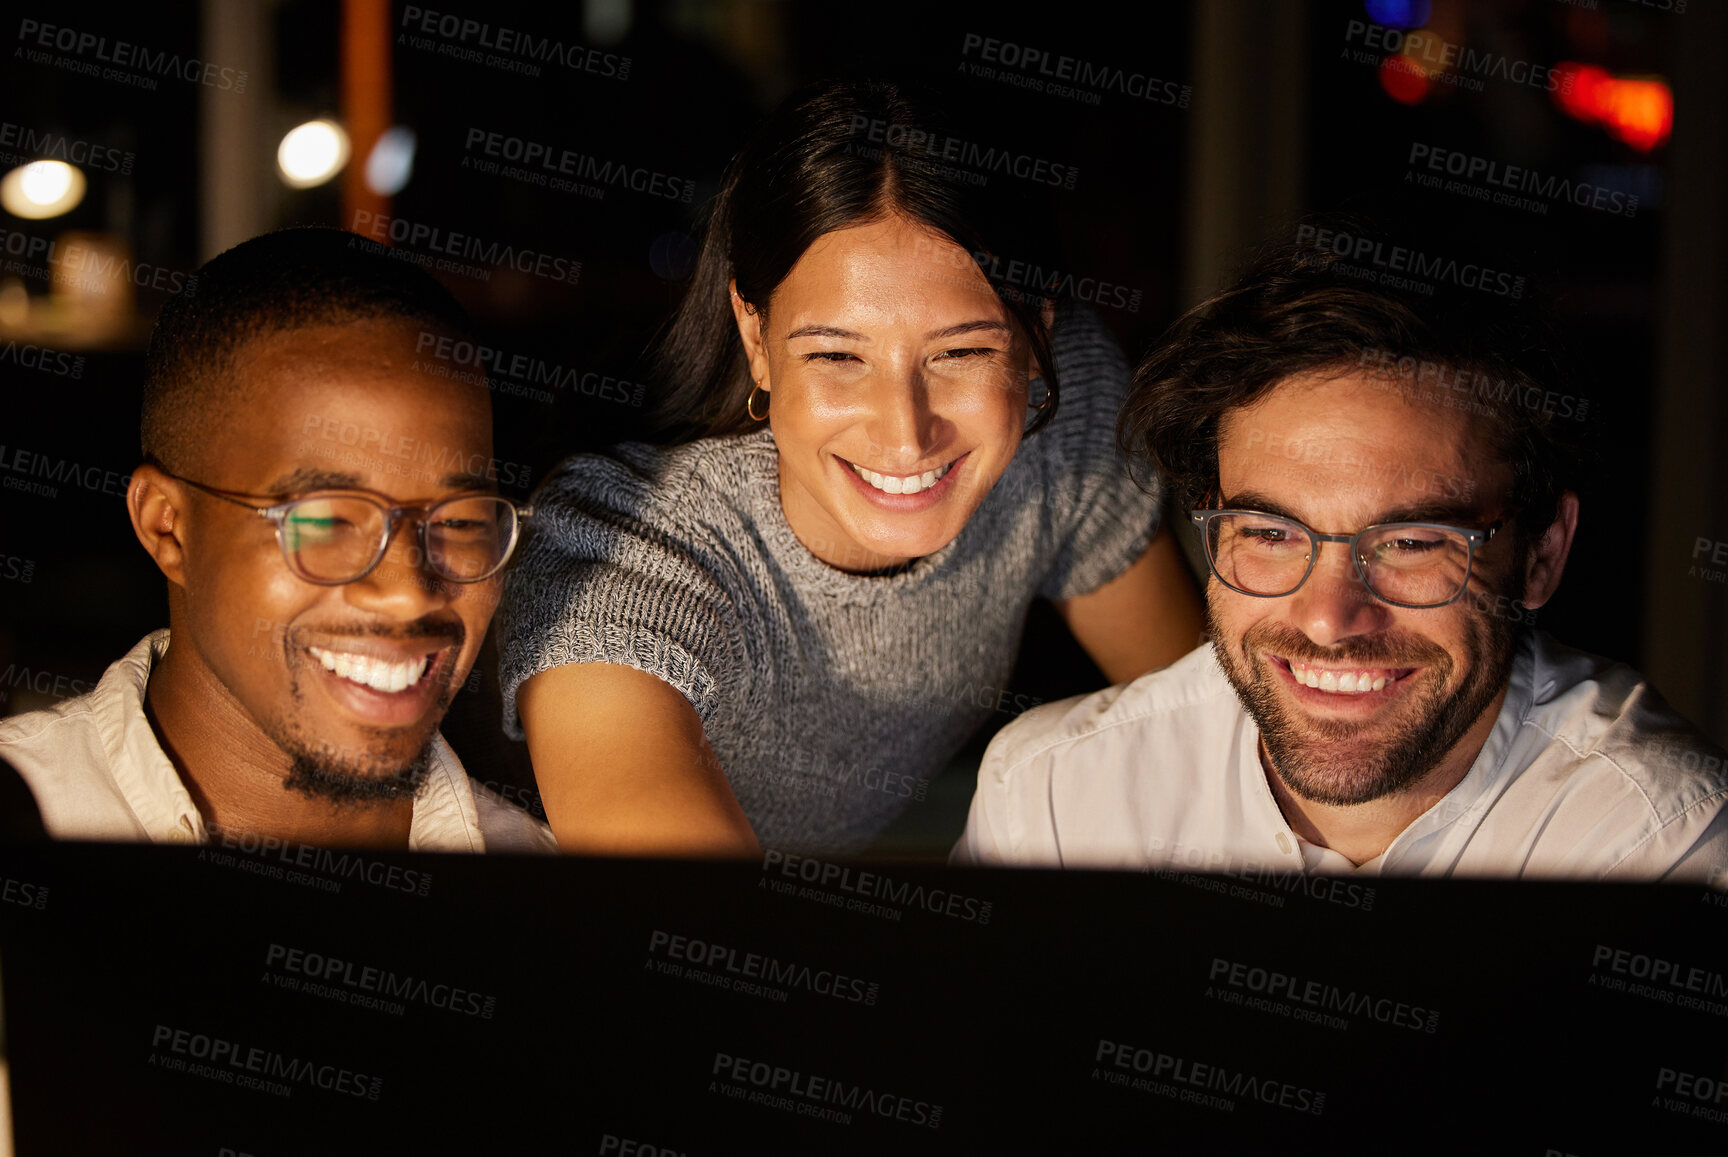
(1403, 79)
(1398, 13)
(41, 189)
(1638, 110)
(391, 162)
(312, 153)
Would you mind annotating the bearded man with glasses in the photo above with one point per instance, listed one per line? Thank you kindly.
(323, 503)
(1383, 487)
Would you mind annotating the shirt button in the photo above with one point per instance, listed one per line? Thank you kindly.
(1284, 843)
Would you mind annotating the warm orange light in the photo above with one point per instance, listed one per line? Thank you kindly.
(1403, 79)
(1637, 110)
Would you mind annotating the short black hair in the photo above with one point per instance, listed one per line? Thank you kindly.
(1303, 307)
(284, 280)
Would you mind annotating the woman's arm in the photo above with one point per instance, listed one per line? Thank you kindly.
(1145, 617)
(624, 768)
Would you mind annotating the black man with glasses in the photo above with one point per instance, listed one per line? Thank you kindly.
(1375, 699)
(323, 606)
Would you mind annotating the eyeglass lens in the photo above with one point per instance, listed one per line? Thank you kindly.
(336, 539)
(1401, 562)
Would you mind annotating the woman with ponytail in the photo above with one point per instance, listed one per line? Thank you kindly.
(886, 440)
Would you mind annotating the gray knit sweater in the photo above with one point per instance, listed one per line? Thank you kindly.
(830, 698)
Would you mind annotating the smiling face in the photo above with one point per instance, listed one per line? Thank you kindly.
(1355, 698)
(349, 681)
(897, 391)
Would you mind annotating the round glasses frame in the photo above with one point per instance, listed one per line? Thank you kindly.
(393, 516)
(1472, 540)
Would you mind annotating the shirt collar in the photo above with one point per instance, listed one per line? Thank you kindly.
(444, 819)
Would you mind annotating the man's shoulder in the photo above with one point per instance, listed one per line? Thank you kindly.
(1605, 718)
(507, 826)
(1187, 700)
(61, 733)
(67, 753)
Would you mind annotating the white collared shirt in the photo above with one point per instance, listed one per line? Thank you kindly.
(1587, 774)
(98, 773)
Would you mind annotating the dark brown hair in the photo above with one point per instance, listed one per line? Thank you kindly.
(837, 154)
(1312, 306)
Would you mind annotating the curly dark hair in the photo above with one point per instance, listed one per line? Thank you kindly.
(1461, 339)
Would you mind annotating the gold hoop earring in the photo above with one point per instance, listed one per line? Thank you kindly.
(1046, 400)
(750, 403)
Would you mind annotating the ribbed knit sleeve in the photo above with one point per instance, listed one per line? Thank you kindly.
(1102, 517)
(611, 575)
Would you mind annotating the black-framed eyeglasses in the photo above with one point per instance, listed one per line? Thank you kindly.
(1417, 565)
(336, 537)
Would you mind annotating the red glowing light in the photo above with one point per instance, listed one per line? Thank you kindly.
(1639, 111)
(1403, 79)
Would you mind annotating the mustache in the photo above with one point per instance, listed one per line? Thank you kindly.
(445, 632)
(1391, 650)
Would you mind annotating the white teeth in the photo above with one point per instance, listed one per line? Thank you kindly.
(900, 484)
(374, 673)
(1343, 683)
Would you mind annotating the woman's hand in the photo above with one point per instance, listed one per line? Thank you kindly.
(624, 768)
(1145, 618)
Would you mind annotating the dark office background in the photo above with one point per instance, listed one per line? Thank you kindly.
(1247, 115)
